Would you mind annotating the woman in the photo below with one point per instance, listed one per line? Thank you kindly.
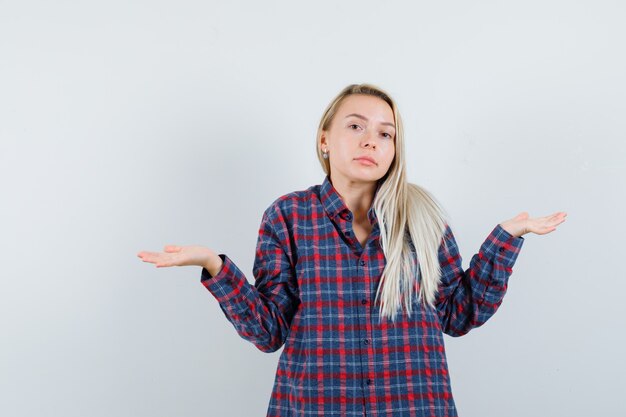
(359, 277)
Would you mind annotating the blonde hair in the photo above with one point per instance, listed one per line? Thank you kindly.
(412, 223)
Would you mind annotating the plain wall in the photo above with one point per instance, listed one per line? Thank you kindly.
(129, 125)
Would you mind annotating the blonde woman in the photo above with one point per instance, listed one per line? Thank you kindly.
(359, 277)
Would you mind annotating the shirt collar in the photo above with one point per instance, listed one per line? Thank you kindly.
(334, 205)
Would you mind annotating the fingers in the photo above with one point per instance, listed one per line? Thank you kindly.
(547, 224)
(158, 258)
(147, 256)
(556, 218)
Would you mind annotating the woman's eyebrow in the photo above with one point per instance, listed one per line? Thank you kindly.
(365, 118)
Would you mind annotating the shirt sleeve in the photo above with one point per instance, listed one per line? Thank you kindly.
(261, 313)
(468, 298)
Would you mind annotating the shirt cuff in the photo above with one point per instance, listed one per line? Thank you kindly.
(502, 246)
(227, 283)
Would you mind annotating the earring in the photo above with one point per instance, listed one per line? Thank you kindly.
(325, 154)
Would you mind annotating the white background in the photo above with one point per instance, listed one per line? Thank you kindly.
(128, 125)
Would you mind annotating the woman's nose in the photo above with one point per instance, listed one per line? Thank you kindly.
(369, 142)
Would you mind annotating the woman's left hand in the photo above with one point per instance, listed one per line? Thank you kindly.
(522, 223)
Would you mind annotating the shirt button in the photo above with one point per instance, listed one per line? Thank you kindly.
(366, 341)
(364, 301)
(362, 263)
(369, 382)
(347, 233)
(501, 249)
(349, 216)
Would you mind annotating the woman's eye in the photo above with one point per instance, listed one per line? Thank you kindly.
(388, 135)
(354, 125)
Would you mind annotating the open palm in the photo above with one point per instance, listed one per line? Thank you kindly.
(522, 223)
(177, 256)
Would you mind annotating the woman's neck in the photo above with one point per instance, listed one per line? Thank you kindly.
(356, 195)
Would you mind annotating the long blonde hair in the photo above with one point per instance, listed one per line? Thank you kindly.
(411, 221)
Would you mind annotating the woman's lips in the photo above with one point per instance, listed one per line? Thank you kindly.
(365, 161)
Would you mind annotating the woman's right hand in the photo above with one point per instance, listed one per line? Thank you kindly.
(184, 256)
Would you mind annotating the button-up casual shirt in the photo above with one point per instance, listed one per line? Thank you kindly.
(314, 293)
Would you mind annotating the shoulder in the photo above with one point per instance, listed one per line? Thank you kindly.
(293, 204)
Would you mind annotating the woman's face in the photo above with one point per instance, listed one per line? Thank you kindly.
(363, 127)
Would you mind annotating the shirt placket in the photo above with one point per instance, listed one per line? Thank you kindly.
(361, 287)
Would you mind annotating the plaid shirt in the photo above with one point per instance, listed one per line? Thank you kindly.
(313, 293)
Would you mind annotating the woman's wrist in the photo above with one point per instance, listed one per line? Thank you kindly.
(214, 264)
